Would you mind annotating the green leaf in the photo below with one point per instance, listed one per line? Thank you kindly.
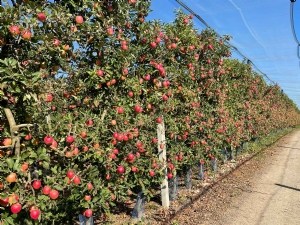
(33, 155)
(142, 184)
(10, 163)
(10, 220)
(58, 187)
(54, 169)
(43, 197)
(46, 165)
(16, 165)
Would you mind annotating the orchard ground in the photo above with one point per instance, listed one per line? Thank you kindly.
(264, 190)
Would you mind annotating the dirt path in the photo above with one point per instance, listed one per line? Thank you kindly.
(264, 191)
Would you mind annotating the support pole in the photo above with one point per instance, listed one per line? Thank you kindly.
(163, 159)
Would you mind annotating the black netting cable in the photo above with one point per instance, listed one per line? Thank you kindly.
(293, 26)
(193, 13)
(230, 45)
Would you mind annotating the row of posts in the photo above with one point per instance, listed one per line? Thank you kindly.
(169, 188)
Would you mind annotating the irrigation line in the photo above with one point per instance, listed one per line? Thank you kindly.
(194, 198)
(230, 45)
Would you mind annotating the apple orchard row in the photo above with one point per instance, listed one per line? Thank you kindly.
(92, 80)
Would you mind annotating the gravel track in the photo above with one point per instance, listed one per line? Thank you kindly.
(263, 191)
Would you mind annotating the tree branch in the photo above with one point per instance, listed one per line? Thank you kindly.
(14, 131)
(23, 125)
(4, 147)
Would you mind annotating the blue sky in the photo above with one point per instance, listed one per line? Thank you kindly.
(261, 30)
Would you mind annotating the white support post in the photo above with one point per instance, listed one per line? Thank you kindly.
(163, 158)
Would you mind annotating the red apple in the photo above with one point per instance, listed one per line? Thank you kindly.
(70, 139)
(26, 35)
(53, 194)
(166, 83)
(90, 186)
(139, 144)
(130, 157)
(147, 77)
(35, 213)
(113, 122)
(16, 208)
(70, 174)
(154, 140)
(83, 134)
(88, 213)
(76, 180)
(99, 73)
(125, 137)
(7, 141)
(138, 109)
(137, 154)
(28, 137)
(120, 169)
(14, 30)
(110, 31)
(151, 173)
(154, 165)
(87, 198)
(158, 40)
(170, 175)
(171, 166)
(79, 20)
(41, 16)
(115, 135)
(153, 44)
(159, 120)
(123, 42)
(165, 97)
(112, 156)
(49, 97)
(120, 137)
(46, 190)
(131, 1)
(48, 140)
(134, 169)
(56, 42)
(36, 184)
(120, 110)
(173, 45)
(125, 71)
(4, 201)
(149, 106)
(85, 148)
(130, 94)
(116, 151)
(54, 145)
(124, 47)
(89, 122)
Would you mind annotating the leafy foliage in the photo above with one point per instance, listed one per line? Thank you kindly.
(95, 78)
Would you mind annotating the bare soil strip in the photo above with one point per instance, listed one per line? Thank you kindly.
(265, 190)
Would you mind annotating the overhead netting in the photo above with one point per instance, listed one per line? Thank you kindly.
(261, 32)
